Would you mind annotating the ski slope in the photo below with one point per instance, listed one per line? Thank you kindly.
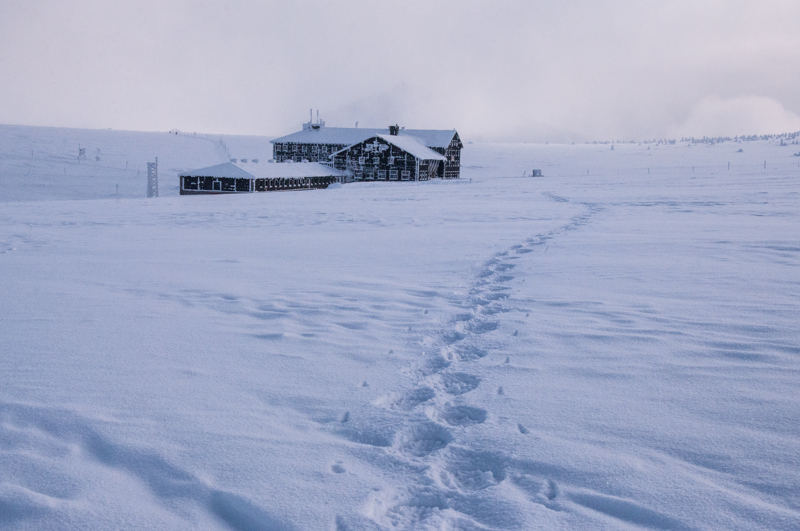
(614, 345)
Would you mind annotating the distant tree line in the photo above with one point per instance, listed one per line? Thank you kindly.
(783, 137)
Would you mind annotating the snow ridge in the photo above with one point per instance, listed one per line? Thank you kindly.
(51, 433)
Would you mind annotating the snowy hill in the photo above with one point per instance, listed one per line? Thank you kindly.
(611, 346)
(38, 163)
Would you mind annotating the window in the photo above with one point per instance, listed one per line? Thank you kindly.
(376, 161)
(190, 183)
(361, 160)
(391, 161)
(405, 175)
(305, 148)
(392, 175)
(315, 149)
(381, 175)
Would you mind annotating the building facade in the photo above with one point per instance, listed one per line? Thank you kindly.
(389, 158)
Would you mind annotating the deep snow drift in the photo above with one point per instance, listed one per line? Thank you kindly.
(604, 347)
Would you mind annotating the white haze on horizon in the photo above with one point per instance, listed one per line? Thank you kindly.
(505, 71)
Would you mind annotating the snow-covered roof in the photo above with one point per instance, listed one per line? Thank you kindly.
(431, 137)
(411, 145)
(265, 171)
(408, 144)
(351, 135)
(291, 170)
(226, 169)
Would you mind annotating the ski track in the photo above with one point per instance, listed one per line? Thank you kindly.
(453, 482)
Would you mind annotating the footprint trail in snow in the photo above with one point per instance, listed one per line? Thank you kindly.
(454, 482)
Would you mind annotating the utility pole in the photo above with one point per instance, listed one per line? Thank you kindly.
(152, 178)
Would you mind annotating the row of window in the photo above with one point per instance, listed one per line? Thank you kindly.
(307, 148)
(381, 175)
(376, 160)
(213, 184)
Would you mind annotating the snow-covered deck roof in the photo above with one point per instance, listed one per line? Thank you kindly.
(351, 135)
(291, 170)
(265, 171)
(226, 169)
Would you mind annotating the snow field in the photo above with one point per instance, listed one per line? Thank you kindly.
(611, 351)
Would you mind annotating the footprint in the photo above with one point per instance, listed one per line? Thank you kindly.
(475, 470)
(345, 417)
(458, 383)
(453, 337)
(464, 415)
(338, 468)
(416, 397)
(423, 439)
(470, 352)
(522, 429)
(484, 327)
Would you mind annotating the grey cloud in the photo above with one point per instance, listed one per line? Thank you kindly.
(502, 71)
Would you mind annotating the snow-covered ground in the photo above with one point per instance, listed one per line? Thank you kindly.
(614, 345)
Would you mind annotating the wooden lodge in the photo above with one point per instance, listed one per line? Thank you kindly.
(317, 143)
(229, 178)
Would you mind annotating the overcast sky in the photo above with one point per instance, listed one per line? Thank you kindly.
(494, 70)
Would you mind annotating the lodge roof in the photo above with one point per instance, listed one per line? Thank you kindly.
(265, 171)
(353, 135)
(406, 143)
(411, 145)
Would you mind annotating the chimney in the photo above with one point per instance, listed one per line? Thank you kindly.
(394, 130)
